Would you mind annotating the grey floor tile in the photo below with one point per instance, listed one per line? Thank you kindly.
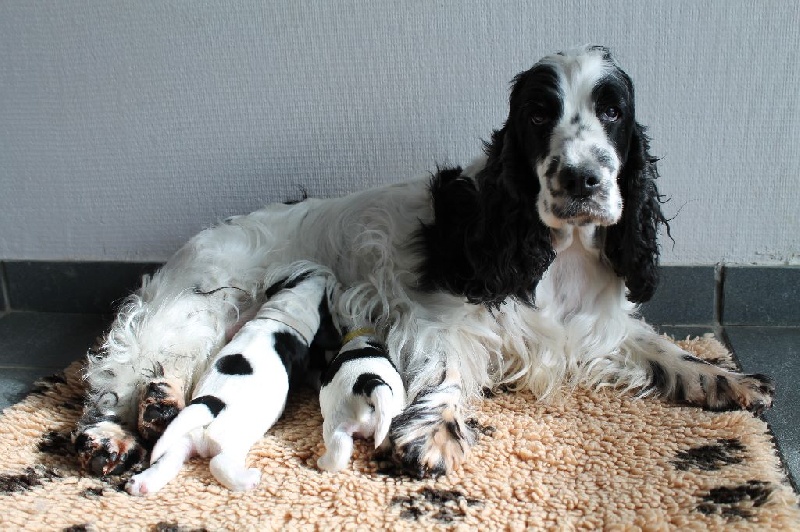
(43, 340)
(16, 383)
(776, 352)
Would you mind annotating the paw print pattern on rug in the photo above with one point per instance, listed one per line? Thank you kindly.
(736, 501)
(710, 457)
(443, 506)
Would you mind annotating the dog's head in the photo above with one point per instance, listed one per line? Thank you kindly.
(572, 145)
(573, 114)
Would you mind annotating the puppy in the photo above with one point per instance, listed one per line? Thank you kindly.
(361, 393)
(243, 391)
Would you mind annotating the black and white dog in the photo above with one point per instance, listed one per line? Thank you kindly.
(523, 269)
(243, 391)
(361, 393)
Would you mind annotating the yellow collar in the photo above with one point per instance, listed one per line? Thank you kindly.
(352, 335)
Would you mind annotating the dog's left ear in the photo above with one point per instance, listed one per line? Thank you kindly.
(631, 243)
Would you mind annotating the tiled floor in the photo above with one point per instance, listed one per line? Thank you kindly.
(33, 345)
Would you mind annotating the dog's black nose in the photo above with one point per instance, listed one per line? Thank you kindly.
(579, 181)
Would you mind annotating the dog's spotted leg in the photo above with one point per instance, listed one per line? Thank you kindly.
(161, 401)
(678, 376)
(430, 437)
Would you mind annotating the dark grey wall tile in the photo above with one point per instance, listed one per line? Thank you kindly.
(685, 296)
(79, 287)
(49, 340)
(761, 296)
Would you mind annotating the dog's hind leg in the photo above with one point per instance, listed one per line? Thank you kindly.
(338, 446)
(230, 469)
(164, 470)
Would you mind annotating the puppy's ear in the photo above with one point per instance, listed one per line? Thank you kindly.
(631, 243)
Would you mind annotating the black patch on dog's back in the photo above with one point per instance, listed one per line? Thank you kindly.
(366, 383)
(355, 354)
(235, 364)
(292, 351)
(286, 284)
(215, 405)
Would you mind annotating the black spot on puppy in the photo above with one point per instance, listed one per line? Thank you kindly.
(286, 283)
(214, 404)
(235, 364)
(342, 358)
(292, 350)
(366, 383)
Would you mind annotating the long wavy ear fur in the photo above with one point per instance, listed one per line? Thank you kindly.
(487, 242)
(631, 244)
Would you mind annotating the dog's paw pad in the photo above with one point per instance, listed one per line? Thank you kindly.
(107, 449)
(162, 400)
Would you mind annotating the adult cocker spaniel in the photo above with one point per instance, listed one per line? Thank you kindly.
(524, 270)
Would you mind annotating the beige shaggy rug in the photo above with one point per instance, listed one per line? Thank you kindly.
(594, 460)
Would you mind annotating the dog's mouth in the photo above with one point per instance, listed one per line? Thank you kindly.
(582, 211)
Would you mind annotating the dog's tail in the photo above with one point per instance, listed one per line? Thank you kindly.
(385, 404)
(200, 412)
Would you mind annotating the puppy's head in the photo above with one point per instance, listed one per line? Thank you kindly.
(573, 113)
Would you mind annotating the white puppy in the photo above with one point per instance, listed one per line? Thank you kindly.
(243, 392)
(361, 393)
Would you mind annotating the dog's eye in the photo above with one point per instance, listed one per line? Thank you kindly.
(610, 114)
(539, 117)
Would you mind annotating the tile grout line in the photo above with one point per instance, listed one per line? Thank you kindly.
(4, 288)
(719, 294)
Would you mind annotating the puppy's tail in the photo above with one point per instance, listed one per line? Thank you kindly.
(200, 412)
(385, 404)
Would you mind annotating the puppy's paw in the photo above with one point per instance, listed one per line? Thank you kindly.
(251, 479)
(137, 486)
(162, 400)
(430, 438)
(105, 448)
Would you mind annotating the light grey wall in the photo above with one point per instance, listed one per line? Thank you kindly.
(125, 127)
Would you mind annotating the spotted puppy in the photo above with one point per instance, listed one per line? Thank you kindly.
(361, 393)
(243, 391)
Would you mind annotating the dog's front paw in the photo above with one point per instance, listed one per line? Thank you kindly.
(106, 448)
(162, 400)
(430, 437)
(737, 391)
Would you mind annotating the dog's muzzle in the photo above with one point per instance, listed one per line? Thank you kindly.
(579, 182)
